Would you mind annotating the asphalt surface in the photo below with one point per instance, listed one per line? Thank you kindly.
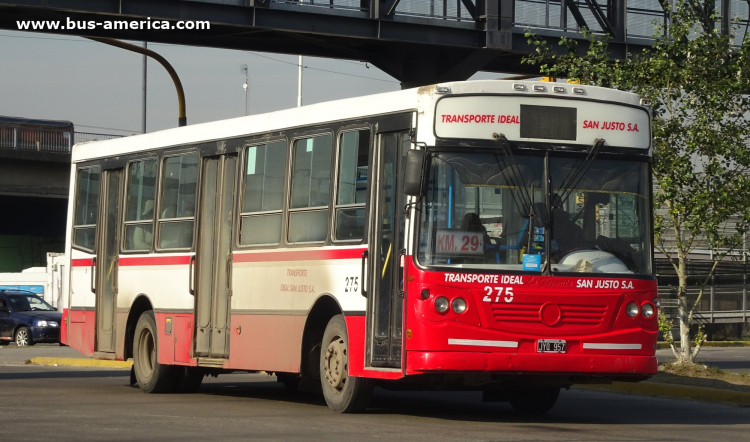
(63, 403)
(87, 404)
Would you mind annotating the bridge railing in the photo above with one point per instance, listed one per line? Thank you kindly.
(623, 19)
(80, 137)
(455, 10)
(25, 138)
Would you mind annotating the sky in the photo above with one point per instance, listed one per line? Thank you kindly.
(99, 87)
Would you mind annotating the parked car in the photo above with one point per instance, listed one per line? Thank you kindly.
(27, 319)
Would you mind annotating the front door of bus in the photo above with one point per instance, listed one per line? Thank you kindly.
(213, 262)
(385, 276)
(107, 260)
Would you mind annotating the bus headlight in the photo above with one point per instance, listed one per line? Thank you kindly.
(632, 310)
(647, 310)
(441, 304)
(459, 305)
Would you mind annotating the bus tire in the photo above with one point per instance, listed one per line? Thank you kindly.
(343, 393)
(536, 401)
(188, 379)
(152, 376)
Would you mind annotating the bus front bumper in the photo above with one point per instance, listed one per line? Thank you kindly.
(421, 362)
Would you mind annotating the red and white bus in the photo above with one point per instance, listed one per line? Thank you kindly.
(487, 235)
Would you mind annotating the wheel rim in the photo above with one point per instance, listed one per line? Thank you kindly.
(335, 364)
(146, 352)
(22, 338)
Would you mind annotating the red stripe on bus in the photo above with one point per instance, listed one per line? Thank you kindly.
(299, 255)
(80, 262)
(155, 261)
(140, 261)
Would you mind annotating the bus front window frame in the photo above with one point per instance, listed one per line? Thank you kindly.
(629, 167)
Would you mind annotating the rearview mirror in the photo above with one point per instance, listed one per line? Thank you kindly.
(414, 172)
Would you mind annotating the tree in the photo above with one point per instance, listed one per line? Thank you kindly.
(698, 80)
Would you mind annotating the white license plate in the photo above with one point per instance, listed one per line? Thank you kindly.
(550, 346)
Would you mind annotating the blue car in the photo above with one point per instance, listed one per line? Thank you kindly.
(26, 319)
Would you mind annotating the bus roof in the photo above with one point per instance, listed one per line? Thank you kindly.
(422, 98)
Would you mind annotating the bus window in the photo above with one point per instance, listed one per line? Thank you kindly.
(87, 208)
(139, 205)
(352, 185)
(178, 188)
(311, 176)
(263, 194)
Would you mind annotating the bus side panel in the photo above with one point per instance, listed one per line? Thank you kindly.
(266, 342)
(81, 331)
(355, 330)
(166, 340)
(175, 338)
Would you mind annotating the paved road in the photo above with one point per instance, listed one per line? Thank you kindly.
(734, 359)
(58, 403)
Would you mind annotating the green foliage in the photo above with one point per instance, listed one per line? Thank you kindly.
(665, 327)
(699, 83)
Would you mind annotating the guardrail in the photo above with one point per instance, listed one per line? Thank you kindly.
(725, 297)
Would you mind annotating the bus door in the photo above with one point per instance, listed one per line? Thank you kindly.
(107, 259)
(385, 274)
(213, 261)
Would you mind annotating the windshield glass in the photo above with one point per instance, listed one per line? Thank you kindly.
(480, 209)
(29, 303)
(488, 211)
(601, 218)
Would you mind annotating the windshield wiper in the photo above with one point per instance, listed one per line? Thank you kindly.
(577, 173)
(526, 205)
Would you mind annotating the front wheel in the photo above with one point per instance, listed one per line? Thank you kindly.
(537, 401)
(23, 337)
(343, 393)
(152, 376)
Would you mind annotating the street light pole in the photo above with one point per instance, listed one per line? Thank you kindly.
(145, 79)
(299, 84)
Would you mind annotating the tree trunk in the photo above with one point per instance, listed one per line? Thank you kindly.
(685, 355)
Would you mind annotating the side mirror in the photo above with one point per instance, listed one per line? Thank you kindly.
(414, 172)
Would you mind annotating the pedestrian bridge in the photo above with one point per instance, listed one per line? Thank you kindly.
(416, 41)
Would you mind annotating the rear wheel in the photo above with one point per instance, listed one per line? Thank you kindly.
(152, 376)
(536, 401)
(343, 393)
(23, 337)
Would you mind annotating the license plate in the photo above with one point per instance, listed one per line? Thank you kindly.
(550, 346)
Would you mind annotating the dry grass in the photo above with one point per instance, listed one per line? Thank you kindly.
(702, 376)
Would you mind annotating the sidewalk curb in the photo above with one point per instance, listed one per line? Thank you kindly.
(79, 362)
(704, 394)
(661, 345)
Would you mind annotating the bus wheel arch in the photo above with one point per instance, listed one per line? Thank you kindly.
(141, 304)
(324, 308)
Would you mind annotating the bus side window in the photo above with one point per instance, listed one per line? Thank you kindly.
(86, 208)
(177, 201)
(263, 195)
(354, 151)
(311, 177)
(139, 205)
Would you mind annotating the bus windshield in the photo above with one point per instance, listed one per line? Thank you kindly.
(489, 211)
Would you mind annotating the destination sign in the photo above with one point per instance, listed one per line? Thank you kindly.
(542, 119)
